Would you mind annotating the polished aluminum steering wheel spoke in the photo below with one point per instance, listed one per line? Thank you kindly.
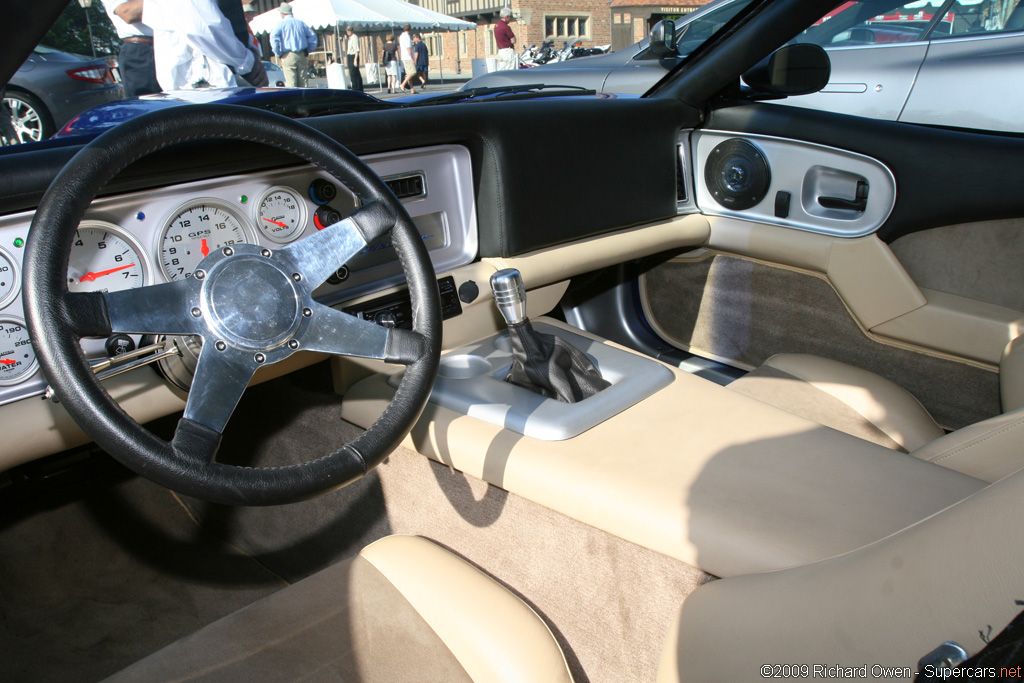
(171, 308)
(318, 256)
(339, 333)
(220, 378)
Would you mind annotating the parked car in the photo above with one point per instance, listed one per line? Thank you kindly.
(53, 86)
(798, 333)
(275, 74)
(890, 59)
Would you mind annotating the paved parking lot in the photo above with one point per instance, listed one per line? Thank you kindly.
(452, 82)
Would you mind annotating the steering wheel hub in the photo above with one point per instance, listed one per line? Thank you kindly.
(252, 302)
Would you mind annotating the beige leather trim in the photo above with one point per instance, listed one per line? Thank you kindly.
(34, 428)
(988, 450)
(697, 472)
(871, 281)
(564, 261)
(770, 243)
(882, 403)
(1011, 375)
(954, 576)
(494, 635)
(956, 325)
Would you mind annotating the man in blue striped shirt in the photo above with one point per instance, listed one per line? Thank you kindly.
(292, 40)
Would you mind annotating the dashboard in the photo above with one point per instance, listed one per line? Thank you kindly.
(151, 237)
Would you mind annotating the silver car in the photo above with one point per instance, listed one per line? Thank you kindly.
(50, 88)
(951, 63)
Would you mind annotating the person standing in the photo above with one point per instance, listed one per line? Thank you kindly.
(135, 61)
(408, 63)
(195, 45)
(505, 40)
(292, 41)
(352, 59)
(389, 58)
(422, 59)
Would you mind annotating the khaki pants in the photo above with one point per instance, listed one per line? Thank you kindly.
(294, 66)
(507, 59)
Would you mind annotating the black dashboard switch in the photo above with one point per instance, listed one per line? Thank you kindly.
(322, 191)
(782, 204)
(118, 345)
(325, 216)
(339, 276)
(469, 291)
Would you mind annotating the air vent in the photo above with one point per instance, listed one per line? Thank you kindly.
(412, 186)
(680, 175)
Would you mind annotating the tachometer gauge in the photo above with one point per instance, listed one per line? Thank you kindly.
(281, 214)
(196, 229)
(17, 357)
(104, 258)
(9, 279)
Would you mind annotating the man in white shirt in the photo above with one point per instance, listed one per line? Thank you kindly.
(405, 54)
(195, 46)
(352, 56)
(135, 61)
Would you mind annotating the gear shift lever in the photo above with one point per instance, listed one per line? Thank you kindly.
(542, 363)
(509, 295)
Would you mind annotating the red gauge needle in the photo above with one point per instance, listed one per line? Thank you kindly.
(270, 220)
(7, 361)
(204, 248)
(91, 277)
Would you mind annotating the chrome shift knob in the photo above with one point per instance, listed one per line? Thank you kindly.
(509, 295)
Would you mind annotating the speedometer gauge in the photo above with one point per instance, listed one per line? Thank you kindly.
(17, 357)
(281, 214)
(104, 258)
(196, 229)
(9, 279)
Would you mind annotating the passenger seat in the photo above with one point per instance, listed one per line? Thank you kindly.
(868, 406)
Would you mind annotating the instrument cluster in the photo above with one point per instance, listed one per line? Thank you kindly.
(154, 236)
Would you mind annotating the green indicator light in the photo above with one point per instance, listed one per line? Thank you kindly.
(245, 199)
(18, 242)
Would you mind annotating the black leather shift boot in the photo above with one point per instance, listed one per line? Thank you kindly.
(551, 366)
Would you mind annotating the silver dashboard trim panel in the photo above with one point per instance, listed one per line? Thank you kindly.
(800, 168)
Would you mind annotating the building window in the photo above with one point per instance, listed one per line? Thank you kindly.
(565, 27)
(435, 44)
(463, 43)
(490, 47)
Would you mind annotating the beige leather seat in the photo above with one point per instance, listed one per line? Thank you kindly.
(404, 609)
(871, 407)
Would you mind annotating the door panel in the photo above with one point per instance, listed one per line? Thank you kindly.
(761, 291)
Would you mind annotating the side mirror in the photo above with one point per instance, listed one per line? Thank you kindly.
(799, 69)
(663, 38)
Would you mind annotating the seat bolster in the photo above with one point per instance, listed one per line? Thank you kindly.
(884, 404)
(493, 634)
(1011, 375)
(987, 450)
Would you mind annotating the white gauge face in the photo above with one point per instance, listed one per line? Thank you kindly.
(17, 357)
(281, 214)
(194, 231)
(9, 279)
(104, 259)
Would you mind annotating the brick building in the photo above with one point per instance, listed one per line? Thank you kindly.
(632, 20)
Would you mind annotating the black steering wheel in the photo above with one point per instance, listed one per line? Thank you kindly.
(251, 305)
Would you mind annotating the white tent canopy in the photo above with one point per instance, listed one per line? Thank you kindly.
(362, 15)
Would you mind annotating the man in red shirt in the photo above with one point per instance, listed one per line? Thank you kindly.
(506, 41)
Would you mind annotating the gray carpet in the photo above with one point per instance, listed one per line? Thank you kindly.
(91, 585)
(746, 311)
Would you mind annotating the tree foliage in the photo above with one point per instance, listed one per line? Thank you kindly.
(70, 32)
